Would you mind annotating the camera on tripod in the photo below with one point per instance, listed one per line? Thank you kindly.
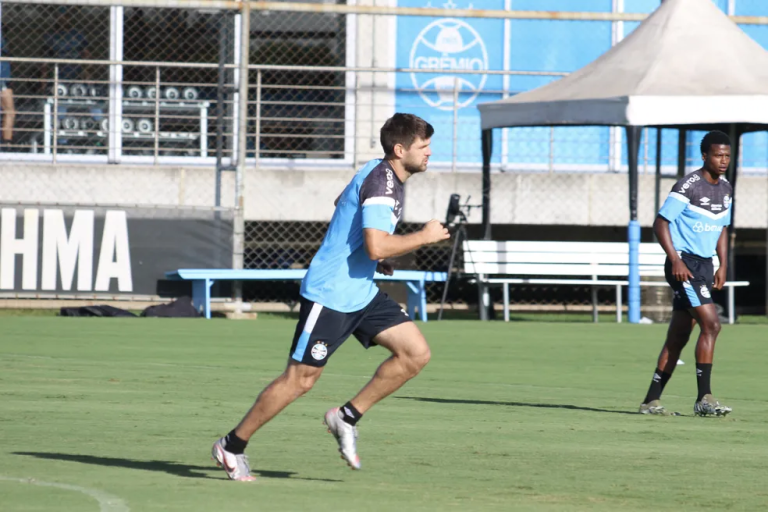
(455, 218)
(457, 213)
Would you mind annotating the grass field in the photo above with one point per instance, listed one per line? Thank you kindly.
(120, 414)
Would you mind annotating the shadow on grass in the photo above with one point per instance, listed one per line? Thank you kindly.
(163, 466)
(510, 404)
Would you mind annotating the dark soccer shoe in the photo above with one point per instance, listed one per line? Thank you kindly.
(709, 406)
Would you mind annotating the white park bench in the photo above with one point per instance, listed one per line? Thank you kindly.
(594, 264)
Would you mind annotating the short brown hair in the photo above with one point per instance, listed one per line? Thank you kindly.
(403, 129)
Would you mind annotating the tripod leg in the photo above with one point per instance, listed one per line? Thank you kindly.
(450, 271)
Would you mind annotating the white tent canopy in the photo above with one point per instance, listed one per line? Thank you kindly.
(687, 64)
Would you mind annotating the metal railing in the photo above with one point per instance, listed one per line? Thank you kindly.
(265, 102)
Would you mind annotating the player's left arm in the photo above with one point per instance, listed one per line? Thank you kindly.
(722, 255)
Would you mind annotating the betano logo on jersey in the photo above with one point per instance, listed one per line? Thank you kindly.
(448, 45)
(700, 227)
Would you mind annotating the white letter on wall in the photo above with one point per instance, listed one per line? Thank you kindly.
(10, 246)
(78, 247)
(115, 254)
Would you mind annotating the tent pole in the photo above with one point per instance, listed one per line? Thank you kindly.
(734, 133)
(487, 150)
(657, 193)
(633, 147)
(484, 302)
(682, 151)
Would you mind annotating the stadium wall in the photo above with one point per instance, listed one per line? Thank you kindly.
(279, 194)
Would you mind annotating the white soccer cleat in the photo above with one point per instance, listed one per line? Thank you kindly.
(655, 408)
(236, 465)
(709, 406)
(346, 436)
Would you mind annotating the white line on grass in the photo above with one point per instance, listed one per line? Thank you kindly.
(107, 502)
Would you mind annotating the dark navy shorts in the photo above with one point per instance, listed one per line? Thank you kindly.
(321, 331)
(694, 292)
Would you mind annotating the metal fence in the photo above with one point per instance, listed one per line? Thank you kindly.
(151, 83)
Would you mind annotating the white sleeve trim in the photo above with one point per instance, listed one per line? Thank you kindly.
(388, 201)
(679, 197)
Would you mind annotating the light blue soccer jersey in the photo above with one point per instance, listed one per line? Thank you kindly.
(340, 276)
(697, 212)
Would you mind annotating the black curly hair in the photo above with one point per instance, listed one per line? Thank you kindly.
(714, 138)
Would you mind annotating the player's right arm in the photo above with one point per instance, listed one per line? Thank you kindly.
(679, 268)
(380, 244)
(676, 203)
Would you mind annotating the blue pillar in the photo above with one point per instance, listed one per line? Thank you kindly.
(634, 272)
(633, 234)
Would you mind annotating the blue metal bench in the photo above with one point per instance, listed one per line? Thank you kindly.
(203, 279)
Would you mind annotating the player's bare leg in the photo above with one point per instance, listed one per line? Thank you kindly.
(9, 114)
(678, 334)
(709, 322)
(410, 353)
(296, 380)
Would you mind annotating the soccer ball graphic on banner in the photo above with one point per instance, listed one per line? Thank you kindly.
(446, 46)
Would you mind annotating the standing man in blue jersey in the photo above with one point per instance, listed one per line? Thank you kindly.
(692, 227)
(339, 298)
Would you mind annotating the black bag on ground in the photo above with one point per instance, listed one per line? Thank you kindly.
(180, 308)
(102, 311)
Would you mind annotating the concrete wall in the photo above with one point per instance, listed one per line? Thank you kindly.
(307, 195)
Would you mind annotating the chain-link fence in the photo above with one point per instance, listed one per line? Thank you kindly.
(157, 90)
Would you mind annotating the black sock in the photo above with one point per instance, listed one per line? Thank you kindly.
(234, 444)
(703, 373)
(660, 379)
(349, 414)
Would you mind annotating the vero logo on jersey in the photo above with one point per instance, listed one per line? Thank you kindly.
(690, 181)
(700, 227)
(390, 182)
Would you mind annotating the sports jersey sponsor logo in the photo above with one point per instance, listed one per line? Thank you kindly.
(319, 351)
(444, 46)
(390, 182)
(704, 201)
(690, 181)
(701, 227)
(717, 207)
(705, 291)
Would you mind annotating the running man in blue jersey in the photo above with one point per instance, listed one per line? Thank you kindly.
(339, 298)
(692, 227)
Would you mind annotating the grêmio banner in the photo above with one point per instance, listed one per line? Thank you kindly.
(107, 250)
